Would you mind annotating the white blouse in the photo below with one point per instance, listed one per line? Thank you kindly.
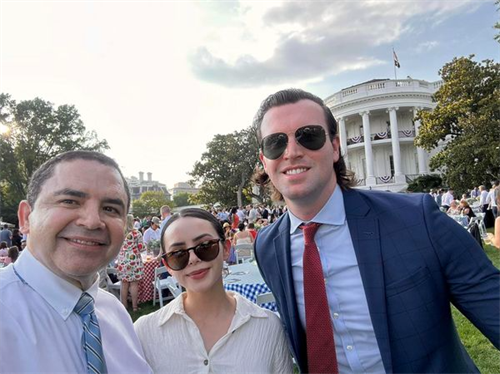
(254, 343)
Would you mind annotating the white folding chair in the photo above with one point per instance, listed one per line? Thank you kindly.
(174, 287)
(114, 288)
(480, 222)
(244, 252)
(160, 284)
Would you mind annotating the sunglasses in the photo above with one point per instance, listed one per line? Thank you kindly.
(206, 251)
(312, 137)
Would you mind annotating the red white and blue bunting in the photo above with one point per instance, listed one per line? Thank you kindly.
(356, 139)
(381, 135)
(407, 133)
(386, 178)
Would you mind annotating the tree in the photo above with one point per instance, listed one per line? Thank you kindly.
(465, 123)
(425, 183)
(149, 203)
(182, 199)
(33, 132)
(226, 167)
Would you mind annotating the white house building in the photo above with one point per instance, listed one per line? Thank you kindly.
(183, 187)
(377, 128)
(137, 186)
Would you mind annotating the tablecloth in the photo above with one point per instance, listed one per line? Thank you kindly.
(146, 288)
(247, 281)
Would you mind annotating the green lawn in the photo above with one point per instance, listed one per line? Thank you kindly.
(484, 354)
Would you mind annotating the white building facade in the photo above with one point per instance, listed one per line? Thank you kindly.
(377, 129)
(138, 186)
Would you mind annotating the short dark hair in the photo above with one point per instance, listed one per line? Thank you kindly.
(46, 170)
(241, 226)
(13, 253)
(345, 178)
(195, 213)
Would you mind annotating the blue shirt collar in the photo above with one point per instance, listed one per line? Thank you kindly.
(332, 213)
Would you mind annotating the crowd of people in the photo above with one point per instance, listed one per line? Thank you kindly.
(363, 280)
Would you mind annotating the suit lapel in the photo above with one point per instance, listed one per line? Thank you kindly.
(283, 258)
(364, 228)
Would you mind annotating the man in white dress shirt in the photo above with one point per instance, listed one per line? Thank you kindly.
(75, 215)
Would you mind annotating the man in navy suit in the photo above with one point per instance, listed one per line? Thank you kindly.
(391, 263)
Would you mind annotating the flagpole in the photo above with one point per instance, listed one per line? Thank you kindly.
(394, 64)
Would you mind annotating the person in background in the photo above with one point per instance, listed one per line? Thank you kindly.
(242, 236)
(494, 238)
(4, 249)
(16, 238)
(6, 235)
(206, 329)
(130, 269)
(234, 218)
(165, 215)
(55, 317)
(454, 208)
(153, 232)
(483, 198)
(12, 255)
(363, 280)
(251, 230)
(466, 210)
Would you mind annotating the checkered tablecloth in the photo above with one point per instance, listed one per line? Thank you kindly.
(247, 281)
(146, 284)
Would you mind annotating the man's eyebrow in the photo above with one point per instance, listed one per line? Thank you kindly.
(83, 195)
(118, 202)
(70, 192)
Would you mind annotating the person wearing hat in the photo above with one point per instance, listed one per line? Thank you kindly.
(153, 233)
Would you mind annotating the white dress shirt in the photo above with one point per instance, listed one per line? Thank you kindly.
(355, 341)
(41, 334)
(151, 234)
(483, 199)
(254, 343)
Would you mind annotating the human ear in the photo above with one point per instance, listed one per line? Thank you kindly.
(23, 214)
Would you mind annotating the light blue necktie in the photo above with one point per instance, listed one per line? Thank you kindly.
(91, 338)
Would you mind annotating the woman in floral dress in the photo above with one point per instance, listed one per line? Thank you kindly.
(130, 269)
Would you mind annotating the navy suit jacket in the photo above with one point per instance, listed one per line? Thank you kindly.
(414, 261)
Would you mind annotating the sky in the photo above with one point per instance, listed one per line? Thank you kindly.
(159, 79)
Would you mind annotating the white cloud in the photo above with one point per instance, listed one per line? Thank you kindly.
(300, 41)
(426, 46)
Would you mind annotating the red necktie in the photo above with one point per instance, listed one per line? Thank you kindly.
(321, 355)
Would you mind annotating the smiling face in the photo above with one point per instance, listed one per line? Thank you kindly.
(305, 178)
(77, 223)
(197, 276)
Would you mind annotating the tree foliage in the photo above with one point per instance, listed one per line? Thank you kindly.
(425, 183)
(465, 123)
(225, 169)
(182, 199)
(149, 203)
(35, 131)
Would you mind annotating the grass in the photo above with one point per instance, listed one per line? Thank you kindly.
(484, 354)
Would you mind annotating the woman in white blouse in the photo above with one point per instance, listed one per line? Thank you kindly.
(206, 329)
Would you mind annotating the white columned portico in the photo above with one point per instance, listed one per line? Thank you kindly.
(370, 177)
(396, 151)
(343, 138)
(421, 153)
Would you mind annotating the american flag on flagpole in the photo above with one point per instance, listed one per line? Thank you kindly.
(396, 61)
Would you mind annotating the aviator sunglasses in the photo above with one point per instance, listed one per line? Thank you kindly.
(206, 251)
(312, 137)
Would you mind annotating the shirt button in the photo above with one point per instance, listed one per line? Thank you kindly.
(335, 315)
(349, 347)
(205, 362)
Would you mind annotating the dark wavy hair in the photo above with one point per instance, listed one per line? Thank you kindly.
(195, 213)
(345, 178)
